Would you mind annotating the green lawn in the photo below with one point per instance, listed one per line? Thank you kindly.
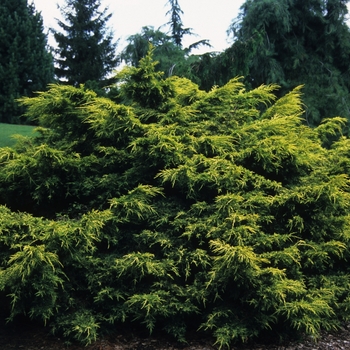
(7, 130)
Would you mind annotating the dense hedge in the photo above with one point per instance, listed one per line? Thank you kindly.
(176, 209)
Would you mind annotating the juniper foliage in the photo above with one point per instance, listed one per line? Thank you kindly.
(176, 209)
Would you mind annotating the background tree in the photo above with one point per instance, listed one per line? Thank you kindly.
(293, 42)
(173, 58)
(86, 51)
(25, 63)
(177, 30)
(138, 46)
(176, 25)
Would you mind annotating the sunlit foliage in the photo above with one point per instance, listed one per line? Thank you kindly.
(176, 209)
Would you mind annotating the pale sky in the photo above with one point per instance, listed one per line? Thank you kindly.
(209, 19)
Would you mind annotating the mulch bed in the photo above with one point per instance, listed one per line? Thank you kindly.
(32, 337)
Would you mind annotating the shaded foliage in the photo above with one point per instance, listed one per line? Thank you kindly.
(172, 57)
(86, 53)
(25, 63)
(294, 42)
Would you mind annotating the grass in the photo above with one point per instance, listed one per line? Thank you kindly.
(8, 130)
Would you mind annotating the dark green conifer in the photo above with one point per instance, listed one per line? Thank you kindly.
(293, 42)
(86, 51)
(176, 25)
(25, 63)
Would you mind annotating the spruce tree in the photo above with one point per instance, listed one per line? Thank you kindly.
(25, 63)
(86, 51)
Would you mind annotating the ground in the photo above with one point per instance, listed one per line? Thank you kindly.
(31, 337)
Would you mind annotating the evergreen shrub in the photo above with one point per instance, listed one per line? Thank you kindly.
(176, 209)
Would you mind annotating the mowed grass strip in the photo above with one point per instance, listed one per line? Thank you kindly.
(8, 130)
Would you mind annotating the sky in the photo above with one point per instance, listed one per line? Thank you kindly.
(209, 19)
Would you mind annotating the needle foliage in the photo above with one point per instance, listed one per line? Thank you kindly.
(26, 65)
(176, 210)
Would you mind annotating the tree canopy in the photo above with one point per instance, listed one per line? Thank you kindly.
(294, 42)
(25, 63)
(173, 58)
(86, 51)
(176, 209)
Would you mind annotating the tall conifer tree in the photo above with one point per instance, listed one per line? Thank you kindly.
(176, 25)
(86, 51)
(25, 63)
(178, 31)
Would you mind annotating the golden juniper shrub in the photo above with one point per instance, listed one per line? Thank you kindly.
(177, 209)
